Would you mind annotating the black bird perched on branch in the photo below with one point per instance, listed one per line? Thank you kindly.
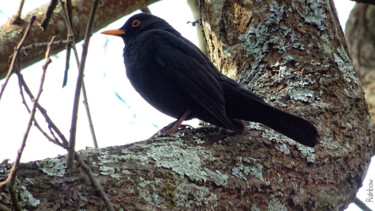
(175, 77)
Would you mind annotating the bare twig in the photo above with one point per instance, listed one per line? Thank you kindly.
(54, 140)
(43, 45)
(361, 205)
(13, 196)
(95, 183)
(91, 125)
(14, 59)
(79, 83)
(44, 113)
(19, 12)
(70, 35)
(16, 19)
(67, 63)
(48, 15)
(68, 19)
(11, 179)
(146, 10)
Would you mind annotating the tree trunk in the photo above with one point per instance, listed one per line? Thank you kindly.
(293, 54)
(360, 34)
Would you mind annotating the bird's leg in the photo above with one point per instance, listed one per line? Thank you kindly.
(173, 127)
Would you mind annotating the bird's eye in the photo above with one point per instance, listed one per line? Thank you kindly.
(136, 23)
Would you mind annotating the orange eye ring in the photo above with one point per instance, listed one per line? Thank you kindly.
(136, 23)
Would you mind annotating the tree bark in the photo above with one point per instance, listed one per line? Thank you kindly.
(293, 54)
(10, 34)
(360, 34)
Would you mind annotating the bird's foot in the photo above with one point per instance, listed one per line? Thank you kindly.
(173, 128)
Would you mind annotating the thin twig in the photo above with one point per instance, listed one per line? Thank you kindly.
(14, 59)
(54, 140)
(48, 15)
(146, 10)
(361, 205)
(11, 179)
(19, 12)
(13, 197)
(85, 98)
(91, 125)
(44, 114)
(44, 44)
(77, 94)
(68, 19)
(67, 64)
(16, 19)
(95, 183)
(80, 83)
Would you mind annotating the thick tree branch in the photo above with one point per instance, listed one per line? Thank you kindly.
(365, 1)
(16, 55)
(10, 34)
(360, 35)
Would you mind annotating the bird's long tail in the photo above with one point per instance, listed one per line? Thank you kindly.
(247, 106)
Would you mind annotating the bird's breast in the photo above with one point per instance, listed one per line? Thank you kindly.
(147, 78)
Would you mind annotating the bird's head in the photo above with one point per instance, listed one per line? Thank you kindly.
(139, 23)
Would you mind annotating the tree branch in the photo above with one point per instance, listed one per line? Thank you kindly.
(77, 93)
(16, 54)
(11, 180)
(10, 33)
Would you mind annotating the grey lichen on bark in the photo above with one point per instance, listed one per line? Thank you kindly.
(360, 34)
(294, 55)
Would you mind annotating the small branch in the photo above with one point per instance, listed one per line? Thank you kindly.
(48, 15)
(85, 98)
(67, 64)
(96, 185)
(13, 196)
(73, 46)
(44, 113)
(15, 56)
(16, 19)
(19, 12)
(67, 11)
(86, 103)
(116, 9)
(11, 179)
(80, 83)
(77, 94)
(361, 205)
(146, 10)
(54, 140)
(45, 44)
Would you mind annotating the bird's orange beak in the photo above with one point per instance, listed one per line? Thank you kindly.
(115, 32)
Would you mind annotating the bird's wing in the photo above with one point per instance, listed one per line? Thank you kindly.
(183, 62)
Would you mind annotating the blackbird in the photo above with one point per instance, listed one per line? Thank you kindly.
(175, 77)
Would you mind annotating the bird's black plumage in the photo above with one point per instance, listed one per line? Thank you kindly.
(174, 76)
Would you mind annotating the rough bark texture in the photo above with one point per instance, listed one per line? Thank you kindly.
(11, 34)
(360, 34)
(294, 55)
